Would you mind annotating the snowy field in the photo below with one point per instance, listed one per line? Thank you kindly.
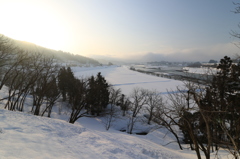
(202, 70)
(127, 80)
(25, 136)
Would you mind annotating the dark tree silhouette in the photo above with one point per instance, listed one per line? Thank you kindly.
(98, 94)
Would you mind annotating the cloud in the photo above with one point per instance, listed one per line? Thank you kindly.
(215, 52)
(167, 53)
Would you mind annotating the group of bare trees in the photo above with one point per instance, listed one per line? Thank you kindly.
(139, 106)
(206, 117)
(26, 74)
(33, 75)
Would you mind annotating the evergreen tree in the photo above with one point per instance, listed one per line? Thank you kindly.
(65, 81)
(98, 94)
(91, 95)
(103, 92)
(222, 106)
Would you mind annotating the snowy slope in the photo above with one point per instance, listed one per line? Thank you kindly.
(27, 136)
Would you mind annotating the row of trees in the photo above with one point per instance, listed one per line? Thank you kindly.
(26, 74)
(84, 96)
(41, 78)
(91, 96)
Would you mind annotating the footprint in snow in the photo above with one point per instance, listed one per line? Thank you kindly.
(116, 150)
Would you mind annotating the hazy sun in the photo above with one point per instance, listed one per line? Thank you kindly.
(33, 23)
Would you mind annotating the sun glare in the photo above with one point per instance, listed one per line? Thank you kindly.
(33, 23)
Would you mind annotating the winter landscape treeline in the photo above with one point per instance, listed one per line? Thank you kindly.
(58, 55)
(205, 118)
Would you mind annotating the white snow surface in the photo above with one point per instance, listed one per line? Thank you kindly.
(25, 136)
(202, 70)
(122, 77)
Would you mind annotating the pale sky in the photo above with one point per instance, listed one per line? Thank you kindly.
(158, 29)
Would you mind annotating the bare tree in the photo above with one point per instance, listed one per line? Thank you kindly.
(78, 100)
(7, 50)
(15, 61)
(110, 116)
(124, 104)
(235, 33)
(165, 119)
(52, 95)
(138, 100)
(18, 84)
(47, 69)
(154, 101)
(111, 112)
(185, 112)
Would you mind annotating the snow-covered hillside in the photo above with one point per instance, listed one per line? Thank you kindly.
(26, 136)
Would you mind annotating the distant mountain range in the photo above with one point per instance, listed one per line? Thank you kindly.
(61, 56)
